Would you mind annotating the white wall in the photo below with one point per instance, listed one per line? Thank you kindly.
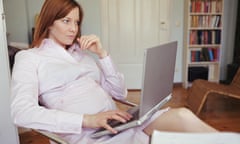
(176, 33)
(16, 20)
(8, 132)
(33, 7)
(92, 16)
(229, 28)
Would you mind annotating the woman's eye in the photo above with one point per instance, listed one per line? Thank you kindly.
(77, 23)
(66, 21)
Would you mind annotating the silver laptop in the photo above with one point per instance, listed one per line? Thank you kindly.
(158, 74)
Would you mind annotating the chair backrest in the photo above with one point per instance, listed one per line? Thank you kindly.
(236, 79)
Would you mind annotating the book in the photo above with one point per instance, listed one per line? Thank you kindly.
(195, 138)
(210, 52)
(205, 53)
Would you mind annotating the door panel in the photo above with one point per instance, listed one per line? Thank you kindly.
(130, 26)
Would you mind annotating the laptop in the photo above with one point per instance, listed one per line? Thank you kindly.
(158, 74)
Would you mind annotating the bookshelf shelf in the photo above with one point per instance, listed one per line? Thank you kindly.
(200, 46)
(203, 63)
(204, 13)
(202, 39)
(205, 28)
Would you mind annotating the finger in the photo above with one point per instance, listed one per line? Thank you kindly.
(78, 40)
(124, 114)
(120, 116)
(89, 38)
(83, 42)
(91, 41)
(108, 127)
(92, 38)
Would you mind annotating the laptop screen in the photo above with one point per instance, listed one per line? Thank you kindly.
(158, 75)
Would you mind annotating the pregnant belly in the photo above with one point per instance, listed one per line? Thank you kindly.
(83, 96)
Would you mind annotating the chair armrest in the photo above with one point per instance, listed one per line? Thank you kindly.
(51, 136)
(126, 102)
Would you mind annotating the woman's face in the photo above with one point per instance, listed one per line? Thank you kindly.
(64, 30)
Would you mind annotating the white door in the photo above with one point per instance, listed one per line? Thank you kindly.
(130, 26)
(8, 132)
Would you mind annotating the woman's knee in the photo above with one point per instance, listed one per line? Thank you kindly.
(184, 113)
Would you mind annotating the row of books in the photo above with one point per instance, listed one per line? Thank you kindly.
(205, 54)
(203, 37)
(205, 21)
(205, 6)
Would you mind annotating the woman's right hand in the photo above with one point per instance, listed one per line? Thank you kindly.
(93, 44)
(101, 119)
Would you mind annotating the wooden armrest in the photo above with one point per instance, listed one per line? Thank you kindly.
(51, 136)
(126, 102)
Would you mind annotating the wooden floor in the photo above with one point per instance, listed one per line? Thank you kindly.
(220, 112)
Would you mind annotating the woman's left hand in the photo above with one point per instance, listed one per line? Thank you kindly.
(101, 119)
(93, 44)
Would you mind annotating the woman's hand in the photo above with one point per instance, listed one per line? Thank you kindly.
(101, 119)
(93, 44)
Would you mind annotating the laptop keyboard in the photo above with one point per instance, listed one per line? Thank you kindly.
(134, 111)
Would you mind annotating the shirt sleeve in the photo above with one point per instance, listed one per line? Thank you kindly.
(112, 81)
(25, 108)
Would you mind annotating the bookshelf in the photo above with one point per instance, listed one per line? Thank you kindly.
(202, 40)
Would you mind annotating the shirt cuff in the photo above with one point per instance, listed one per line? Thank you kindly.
(71, 123)
(107, 66)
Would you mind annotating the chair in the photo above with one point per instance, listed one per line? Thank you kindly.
(55, 138)
(202, 89)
